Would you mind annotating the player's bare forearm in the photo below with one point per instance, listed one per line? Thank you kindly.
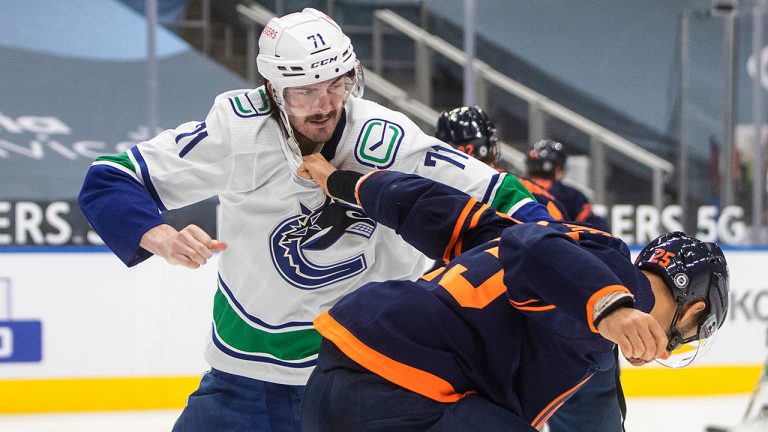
(191, 247)
(637, 333)
(316, 168)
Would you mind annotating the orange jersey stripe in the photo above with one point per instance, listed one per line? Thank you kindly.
(457, 228)
(457, 248)
(521, 306)
(472, 224)
(582, 228)
(585, 211)
(415, 380)
(573, 234)
(536, 308)
(594, 298)
(542, 182)
(523, 303)
(506, 216)
(535, 188)
(476, 217)
(553, 406)
(554, 211)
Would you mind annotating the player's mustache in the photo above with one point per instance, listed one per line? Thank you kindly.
(320, 117)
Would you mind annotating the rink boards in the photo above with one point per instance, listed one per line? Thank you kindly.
(80, 331)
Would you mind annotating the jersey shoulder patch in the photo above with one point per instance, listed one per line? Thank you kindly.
(381, 132)
(249, 103)
(378, 142)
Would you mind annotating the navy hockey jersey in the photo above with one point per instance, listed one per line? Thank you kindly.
(575, 203)
(509, 316)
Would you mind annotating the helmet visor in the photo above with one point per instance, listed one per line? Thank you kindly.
(694, 347)
(318, 98)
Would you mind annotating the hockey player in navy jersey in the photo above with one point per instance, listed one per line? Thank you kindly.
(545, 167)
(599, 405)
(518, 319)
(288, 251)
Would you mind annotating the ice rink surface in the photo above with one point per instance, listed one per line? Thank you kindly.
(645, 415)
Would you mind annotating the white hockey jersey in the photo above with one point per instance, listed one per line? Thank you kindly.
(292, 252)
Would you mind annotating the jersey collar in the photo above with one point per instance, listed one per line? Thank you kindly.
(329, 149)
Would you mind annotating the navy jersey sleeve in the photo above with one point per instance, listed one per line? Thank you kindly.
(438, 220)
(597, 222)
(547, 268)
(120, 210)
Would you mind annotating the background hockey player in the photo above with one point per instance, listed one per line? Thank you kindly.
(289, 252)
(545, 167)
(519, 318)
(470, 130)
(599, 405)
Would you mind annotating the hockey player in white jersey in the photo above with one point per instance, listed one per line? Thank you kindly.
(288, 253)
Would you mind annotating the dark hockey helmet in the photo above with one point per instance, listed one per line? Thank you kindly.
(543, 157)
(470, 130)
(692, 270)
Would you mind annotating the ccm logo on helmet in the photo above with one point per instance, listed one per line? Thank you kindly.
(323, 62)
(269, 31)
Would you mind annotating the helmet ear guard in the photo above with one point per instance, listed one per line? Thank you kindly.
(692, 270)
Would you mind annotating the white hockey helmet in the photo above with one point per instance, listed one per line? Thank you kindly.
(305, 48)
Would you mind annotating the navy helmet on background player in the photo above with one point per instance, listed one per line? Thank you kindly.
(543, 157)
(470, 130)
(693, 270)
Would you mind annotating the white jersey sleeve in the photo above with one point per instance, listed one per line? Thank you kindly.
(198, 160)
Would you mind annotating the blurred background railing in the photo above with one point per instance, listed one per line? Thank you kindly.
(658, 113)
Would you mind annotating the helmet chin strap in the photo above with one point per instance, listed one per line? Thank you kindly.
(675, 338)
(293, 143)
(294, 152)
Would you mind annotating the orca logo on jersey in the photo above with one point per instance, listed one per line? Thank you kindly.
(320, 247)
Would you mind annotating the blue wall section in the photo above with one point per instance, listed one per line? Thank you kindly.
(102, 30)
(74, 86)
